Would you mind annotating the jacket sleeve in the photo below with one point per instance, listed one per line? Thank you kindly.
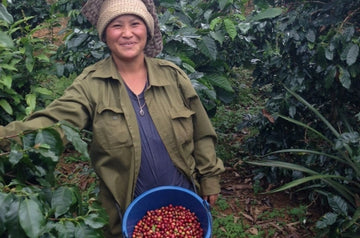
(208, 166)
(73, 107)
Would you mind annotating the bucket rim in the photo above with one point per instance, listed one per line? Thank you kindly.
(204, 203)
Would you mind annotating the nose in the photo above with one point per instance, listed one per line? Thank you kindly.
(127, 31)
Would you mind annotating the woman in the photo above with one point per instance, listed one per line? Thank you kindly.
(149, 126)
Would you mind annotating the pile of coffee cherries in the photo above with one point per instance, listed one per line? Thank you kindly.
(168, 222)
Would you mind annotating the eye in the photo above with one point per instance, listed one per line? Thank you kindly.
(115, 24)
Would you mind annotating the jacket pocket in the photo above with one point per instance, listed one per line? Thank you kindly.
(182, 124)
(110, 127)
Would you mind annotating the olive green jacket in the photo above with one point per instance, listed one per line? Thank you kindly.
(98, 100)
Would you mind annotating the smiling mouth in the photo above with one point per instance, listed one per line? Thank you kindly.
(128, 44)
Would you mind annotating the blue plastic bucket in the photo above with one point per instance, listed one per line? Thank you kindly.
(164, 196)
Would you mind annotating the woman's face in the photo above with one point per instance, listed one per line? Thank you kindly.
(126, 37)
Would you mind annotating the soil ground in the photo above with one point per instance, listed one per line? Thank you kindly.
(245, 204)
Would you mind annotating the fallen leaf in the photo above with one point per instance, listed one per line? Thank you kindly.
(253, 231)
(268, 116)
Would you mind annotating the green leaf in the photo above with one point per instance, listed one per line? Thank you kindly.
(31, 102)
(31, 218)
(221, 82)
(12, 217)
(218, 36)
(267, 14)
(299, 123)
(188, 67)
(6, 106)
(28, 140)
(65, 230)
(10, 66)
(43, 58)
(186, 35)
(29, 57)
(345, 78)
(298, 182)
(352, 54)
(310, 36)
(314, 152)
(6, 201)
(230, 28)
(347, 138)
(95, 221)
(3, 209)
(317, 113)
(5, 15)
(15, 157)
(74, 137)
(338, 205)
(29, 63)
(61, 201)
(51, 137)
(244, 27)
(208, 14)
(214, 22)
(190, 42)
(329, 55)
(5, 40)
(83, 231)
(6, 80)
(271, 163)
(327, 220)
(224, 3)
(77, 41)
(314, 176)
(208, 47)
(330, 76)
(43, 91)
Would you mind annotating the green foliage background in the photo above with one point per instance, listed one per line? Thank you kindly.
(304, 48)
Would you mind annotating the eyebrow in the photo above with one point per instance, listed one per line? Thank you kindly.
(133, 18)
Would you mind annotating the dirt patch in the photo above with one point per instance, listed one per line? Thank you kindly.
(265, 211)
(53, 32)
(78, 173)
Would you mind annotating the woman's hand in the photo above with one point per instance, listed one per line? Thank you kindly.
(211, 199)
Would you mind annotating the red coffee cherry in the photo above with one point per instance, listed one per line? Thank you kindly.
(168, 222)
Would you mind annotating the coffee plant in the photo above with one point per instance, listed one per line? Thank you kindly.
(34, 12)
(313, 50)
(25, 63)
(32, 202)
(330, 169)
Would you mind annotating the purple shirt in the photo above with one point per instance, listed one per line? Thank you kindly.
(157, 168)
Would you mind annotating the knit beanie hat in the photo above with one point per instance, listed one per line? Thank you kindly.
(111, 9)
(101, 12)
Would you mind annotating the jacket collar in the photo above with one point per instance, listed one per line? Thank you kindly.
(107, 69)
(155, 72)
